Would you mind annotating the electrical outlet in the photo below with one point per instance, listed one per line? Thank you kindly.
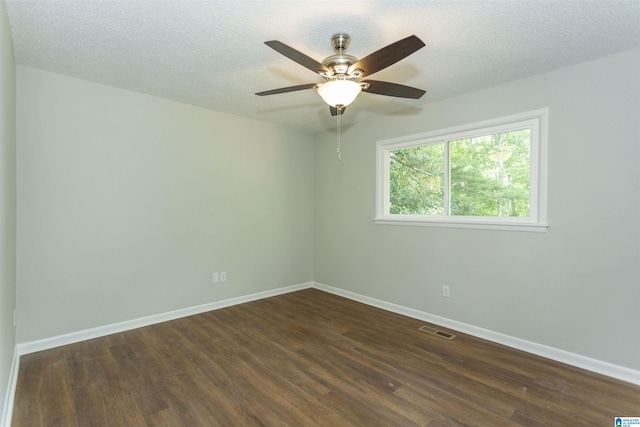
(223, 276)
(445, 291)
(216, 277)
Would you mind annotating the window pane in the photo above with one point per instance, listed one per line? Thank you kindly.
(416, 184)
(490, 175)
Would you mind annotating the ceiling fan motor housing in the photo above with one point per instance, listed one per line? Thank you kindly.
(339, 63)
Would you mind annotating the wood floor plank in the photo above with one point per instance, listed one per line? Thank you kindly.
(306, 358)
(47, 392)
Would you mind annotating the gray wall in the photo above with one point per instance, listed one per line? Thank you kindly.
(128, 203)
(7, 202)
(575, 287)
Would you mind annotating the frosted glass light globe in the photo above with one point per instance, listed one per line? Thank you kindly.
(339, 92)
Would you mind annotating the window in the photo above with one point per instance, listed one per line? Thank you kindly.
(484, 175)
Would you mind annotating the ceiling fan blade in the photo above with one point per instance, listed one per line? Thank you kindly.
(393, 89)
(386, 56)
(298, 57)
(288, 89)
(334, 110)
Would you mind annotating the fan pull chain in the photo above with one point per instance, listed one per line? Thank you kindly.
(339, 108)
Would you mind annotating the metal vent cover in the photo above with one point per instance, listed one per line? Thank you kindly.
(437, 332)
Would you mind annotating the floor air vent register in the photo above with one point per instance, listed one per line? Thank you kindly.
(445, 335)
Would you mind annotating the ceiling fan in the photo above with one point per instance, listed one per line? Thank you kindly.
(343, 74)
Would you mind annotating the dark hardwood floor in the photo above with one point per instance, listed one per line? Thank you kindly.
(302, 359)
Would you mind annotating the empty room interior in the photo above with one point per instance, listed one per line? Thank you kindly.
(200, 226)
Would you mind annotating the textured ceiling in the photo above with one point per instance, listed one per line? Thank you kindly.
(211, 53)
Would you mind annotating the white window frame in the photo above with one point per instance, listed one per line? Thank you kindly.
(536, 120)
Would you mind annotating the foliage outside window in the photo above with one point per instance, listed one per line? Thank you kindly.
(487, 175)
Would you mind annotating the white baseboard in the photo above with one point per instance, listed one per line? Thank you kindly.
(101, 331)
(7, 409)
(594, 365)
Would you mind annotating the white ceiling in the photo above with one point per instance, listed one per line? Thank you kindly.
(211, 53)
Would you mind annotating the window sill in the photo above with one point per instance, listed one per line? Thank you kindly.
(479, 225)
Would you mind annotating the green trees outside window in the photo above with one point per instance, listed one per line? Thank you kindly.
(485, 175)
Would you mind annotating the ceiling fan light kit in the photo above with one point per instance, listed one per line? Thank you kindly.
(339, 92)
